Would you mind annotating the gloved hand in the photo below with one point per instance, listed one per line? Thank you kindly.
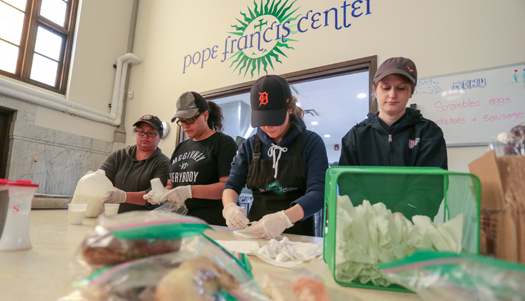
(235, 216)
(271, 225)
(115, 196)
(178, 194)
(154, 198)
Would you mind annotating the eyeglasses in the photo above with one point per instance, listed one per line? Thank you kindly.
(188, 121)
(142, 133)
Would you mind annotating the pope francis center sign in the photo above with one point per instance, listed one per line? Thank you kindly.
(266, 32)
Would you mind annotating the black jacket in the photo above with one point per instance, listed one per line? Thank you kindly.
(410, 141)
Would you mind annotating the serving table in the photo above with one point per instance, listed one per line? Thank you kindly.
(40, 273)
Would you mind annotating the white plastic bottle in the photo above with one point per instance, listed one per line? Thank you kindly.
(90, 190)
(158, 190)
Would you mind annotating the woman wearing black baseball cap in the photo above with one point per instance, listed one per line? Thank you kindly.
(283, 164)
(131, 169)
(397, 135)
(200, 165)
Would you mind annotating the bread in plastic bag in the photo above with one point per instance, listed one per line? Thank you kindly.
(202, 269)
(294, 285)
(134, 235)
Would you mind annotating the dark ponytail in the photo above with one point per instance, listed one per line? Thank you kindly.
(215, 118)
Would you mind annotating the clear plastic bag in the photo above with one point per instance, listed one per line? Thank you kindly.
(295, 285)
(135, 235)
(196, 269)
(172, 207)
(447, 276)
(130, 236)
(510, 141)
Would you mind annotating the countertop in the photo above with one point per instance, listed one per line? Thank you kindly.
(40, 273)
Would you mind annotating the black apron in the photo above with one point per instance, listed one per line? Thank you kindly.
(271, 194)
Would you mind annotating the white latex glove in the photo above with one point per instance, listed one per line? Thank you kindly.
(271, 225)
(178, 194)
(235, 216)
(154, 198)
(115, 196)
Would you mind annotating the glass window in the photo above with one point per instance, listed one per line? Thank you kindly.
(54, 10)
(20, 4)
(11, 23)
(48, 43)
(35, 44)
(8, 57)
(44, 70)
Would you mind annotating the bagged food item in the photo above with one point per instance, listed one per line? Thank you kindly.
(178, 262)
(173, 276)
(132, 235)
(509, 142)
(296, 285)
(448, 276)
(101, 247)
(90, 190)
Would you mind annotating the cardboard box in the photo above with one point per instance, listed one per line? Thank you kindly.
(502, 205)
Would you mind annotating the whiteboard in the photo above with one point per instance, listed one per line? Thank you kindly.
(472, 107)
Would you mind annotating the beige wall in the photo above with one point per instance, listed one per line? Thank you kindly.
(442, 37)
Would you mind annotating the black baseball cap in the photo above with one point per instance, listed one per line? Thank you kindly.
(269, 97)
(153, 121)
(397, 65)
(188, 104)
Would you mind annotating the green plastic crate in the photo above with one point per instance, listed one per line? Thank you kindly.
(453, 192)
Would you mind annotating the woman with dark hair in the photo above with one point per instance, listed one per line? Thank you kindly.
(131, 169)
(284, 165)
(200, 165)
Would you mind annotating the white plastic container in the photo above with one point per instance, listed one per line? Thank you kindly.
(90, 190)
(111, 209)
(16, 229)
(158, 190)
(77, 213)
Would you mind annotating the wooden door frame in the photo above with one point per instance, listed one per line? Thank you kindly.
(6, 121)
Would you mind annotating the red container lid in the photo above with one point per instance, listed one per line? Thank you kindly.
(5, 181)
(24, 183)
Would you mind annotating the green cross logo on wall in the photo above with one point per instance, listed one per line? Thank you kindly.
(263, 33)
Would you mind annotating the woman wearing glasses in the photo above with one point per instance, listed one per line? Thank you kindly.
(200, 165)
(131, 169)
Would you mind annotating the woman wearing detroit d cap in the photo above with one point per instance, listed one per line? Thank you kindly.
(131, 169)
(397, 135)
(200, 165)
(283, 164)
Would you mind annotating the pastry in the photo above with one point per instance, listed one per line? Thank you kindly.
(196, 279)
(102, 248)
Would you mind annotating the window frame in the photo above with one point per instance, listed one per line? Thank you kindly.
(368, 63)
(26, 52)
